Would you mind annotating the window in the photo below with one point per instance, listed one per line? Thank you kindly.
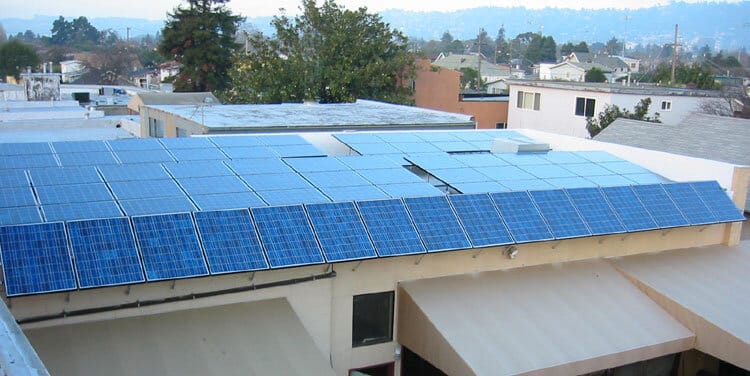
(666, 106)
(585, 106)
(182, 132)
(500, 126)
(155, 128)
(372, 319)
(529, 101)
(632, 65)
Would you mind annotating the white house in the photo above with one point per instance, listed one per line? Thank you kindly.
(71, 70)
(562, 107)
(168, 69)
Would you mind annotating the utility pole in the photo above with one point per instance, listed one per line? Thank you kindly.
(674, 54)
(127, 33)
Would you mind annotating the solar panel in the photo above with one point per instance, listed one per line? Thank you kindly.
(273, 182)
(416, 147)
(230, 241)
(563, 157)
(480, 219)
(460, 175)
(239, 141)
(717, 201)
(367, 192)
(527, 185)
(588, 169)
(548, 171)
(186, 143)
(595, 211)
(410, 189)
(213, 185)
(36, 259)
(374, 148)
(368, 162)
(81, 210)
(576, 182)
(560, 214)
(390, 227)
(104, 252)
(221, 201)
(436, 223)
(480, 187)
(135, 144)
(27, 161)
(474, 135)
(689, 203)
(340, 230)
(16, 196)
(455, 146)
(291, 151)
(134, 172)
(249, 152)
(479, 160)
(134, 190)
(358, 138)
(598, 156)
(523, 159)
(316, 164)
(198, 169)
(645, 178)
(169, 247)
(437, 136)
(25, 148)
(79, 146)
(435, 161)
(182, 155)
(283, 139)
(293, 196)
(504, 173)
(390, 176)
(629, 209)
(609, 180)
(87, 159)
(20, 215)
(332, 179)
(624, 167)
(259, 166)
(287, 236)
(144, 156)
(522, 217)
(13, 178)
(64, 175)
(68, 194)
(661, 207)
(158, 205)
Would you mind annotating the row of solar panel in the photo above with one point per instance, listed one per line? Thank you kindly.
(105, 252)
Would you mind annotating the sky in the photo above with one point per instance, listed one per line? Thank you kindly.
(157, 9)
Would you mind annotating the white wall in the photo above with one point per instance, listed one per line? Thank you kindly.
(568, 73)
(682, 106)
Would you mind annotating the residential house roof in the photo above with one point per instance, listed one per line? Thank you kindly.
(619, 88)
(458, 61)
(609, 61)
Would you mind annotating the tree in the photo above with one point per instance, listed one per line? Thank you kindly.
(595, 75)
(469, 77)
(15, 56)
(79, 33)
(568, 48)
(694, 75)
(327, 53)
(201, 38)
(3, 35)
(111, 65)
(612, 112)
(503, 52)
(613, 46)
(541, 49)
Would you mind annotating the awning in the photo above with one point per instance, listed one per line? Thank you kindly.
(571, 318)
(707, 289)
(259, 338)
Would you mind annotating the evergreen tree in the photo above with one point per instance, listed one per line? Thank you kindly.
(15, 56)
(201, 38)
(595, 75)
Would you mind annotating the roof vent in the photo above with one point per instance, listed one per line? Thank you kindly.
(510, 145)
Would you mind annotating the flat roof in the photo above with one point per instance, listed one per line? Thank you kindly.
(298, 115)
(104, 128)
(636, 89)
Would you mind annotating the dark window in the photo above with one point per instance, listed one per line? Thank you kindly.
(590, 104)
(580, 106)
(372, 319)
(585, 106)
(500, 125)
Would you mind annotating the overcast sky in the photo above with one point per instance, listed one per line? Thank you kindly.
(157, 9)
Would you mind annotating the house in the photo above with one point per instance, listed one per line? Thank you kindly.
(563, 107)
(71, 70)
(168, 69)
(137, 100)
(439, 88)
(617, 67)
(372, 252)
(145, 78)
(490, 72)
(718, 138)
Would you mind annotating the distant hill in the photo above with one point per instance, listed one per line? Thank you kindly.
(720, 25)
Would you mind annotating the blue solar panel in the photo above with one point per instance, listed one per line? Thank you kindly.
(596, 211)
(158, 205)
(293, 196)
(25, 148)
(291, 151)
(436, 223)
(36, 259)
(144, 156)
(503, 173)
(368, 162)
(460, 175)
(332, 179)
(133, 172)
(283, 139)
(134, 190)
(135, 144)
(560, 214)
(374, 148)
(27, 161)
(390, 227)
(480, 219)
(232, 141)
(169, 246)
(523, 159)
(435, 161)
(629, 209)
(340, 230)
(259, 166)
(598, 156)
(198, 169)
(717, 201)
(480, 187)
(588, 169)
(230, 241)
(563, 157)
(17, 196)
(204, 154)
(661, 207)
(316, 164)
(437, 136)
(576, 182)
(13, 178)
(79, 146)
(68, 194)
(81, 210)
(548, 171)
(64, 175)
(609, 180)
(624, 167)
(690, 204)
(20, 215)
(212, 185)
(368, 192)
(479, 160)
(287, 236)
(645, 178)
(186, 143)
(395, 137)
(410, 189)
(455, 146)
(527, 185)
(273, 182)
(475, 135)
(104, 252)
(87, 159)
(396, 175)
(249, 152)
(358, 138)
(237, 200)
(522, 217)
(416, 147)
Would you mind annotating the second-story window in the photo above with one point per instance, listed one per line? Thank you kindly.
(529, 101)
(585, 106)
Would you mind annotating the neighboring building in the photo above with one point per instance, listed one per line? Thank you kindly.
(42, 86)
(615, 67)
(440, 89)
(370, 260)
(45, 110)
(168, 69)
(208, 118)
(12, 92)
(71, 70)
(490, 72)
(159, 99)
(717, 138)
(562, 107)
(146, 78)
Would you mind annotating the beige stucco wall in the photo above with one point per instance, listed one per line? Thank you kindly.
(170, 121)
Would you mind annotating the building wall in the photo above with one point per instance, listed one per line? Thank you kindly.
(681, 106)
(170, 121)
(567, 72)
